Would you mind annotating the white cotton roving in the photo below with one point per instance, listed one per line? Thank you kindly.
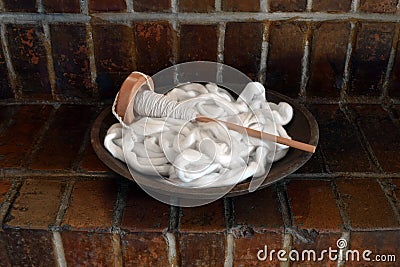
(194, 154)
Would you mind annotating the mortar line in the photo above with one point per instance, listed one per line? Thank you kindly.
(174, 6)
(346, 235)
(92, 61)
(309, 5)
(347, 64)
(50, 59)
(221, 41)
(172, 249)
(391, 61)
(117, 250)
(17, 173)
(386, 187)
(129, 6)
(9, 199)
(2, 8)
(287, 243)
(84, 7)
(58, 248)
(262, 77)
(39, 4)
(12, 76)
(305, 62)
(120, 204)
(229, 250)
(264, 6)
(218, 5)
(398, 6)
(64, 204)
(355, 4)
(341, 205)
(284, 204)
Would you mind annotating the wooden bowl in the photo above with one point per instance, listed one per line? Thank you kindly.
(303, 127)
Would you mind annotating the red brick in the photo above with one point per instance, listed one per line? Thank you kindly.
(202, 249)
(383, 6)
(196, 6)
(285, 56)
(331, 6)
(154, 46)
(87, 249)
(37, 204)
(145, 249)
(259, 210)
(92, 205)
(243, 47)
(327, 59)
(62, 141)
(90, 162)
(152, 5)
(4, 187)
(20, 6)
(207, 218)
(143, 213)
(339, 141)
(64, 6)
(373, 120)
(5, 87)
(311, 198)
(366, 204)
(241, 6)
(198, 42)
(370, 58)
(287, 5)
(29, 57)
(107, 5)
(246, 249)
(380, 243)
(71, 60)
(112, 67)
(18, 139)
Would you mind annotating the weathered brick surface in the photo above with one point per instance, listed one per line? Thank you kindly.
(107, 5)
(4, 187)
(331, 6)
(152, 5)
(394, 82)
(90, 162)
(314, 165)
(383, 6)
(196, 6)
(287, 5)
(5, 86)
(241, 6)
(20, 6)
(64, 6)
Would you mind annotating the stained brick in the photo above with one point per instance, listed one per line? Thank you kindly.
(373, 120)
(243, 47)
(4, 258)
(198, 42)
(91, 205)
(313, 205)
(259, 210)
(366, 204)
(71, 61)
(63, 6)
(396, 191)
(143, 213)
(60, 147)
(87, 249)
(107, 5)
(241, 6)
(20, 6)
(284, 59)
(145, 249)
(370, 58)
(90, 162)
(112, 67)
(152, 5)
(313, 165)
(196, 6)
(287, 5)
(4, 187)
(339, 141)
(383, 6)
(394, 83)
(327, 59)
(37, 204)
(29, 59)
(154, 46)
(5, 87)
(331, 6)
(17, 141)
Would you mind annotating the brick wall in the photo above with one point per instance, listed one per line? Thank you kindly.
(80, 51)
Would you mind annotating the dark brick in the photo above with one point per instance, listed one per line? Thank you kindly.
(370, 58)
(17, 141)
(37, 204)
(202, 249)
(196, 6)
(20, 6)
(198, 42)
(112, 67)
(90, 162)
(4, 187)
(60, 147)
(310, 199)
(382, 135)
(5, 86)
(4, 258)
(143, 213)
(241, 6)
(91, 205)
(153, 46)
(339, 141)
(152, 5)
(331, 6)
(284, 59)
(243, 47)
(71, 60)
(145, 249)
(314, 164)
(396, 192)
(107, 5)
(327, 59)
(207, 218)
(259, 210)
(287, 5)
(394, 82)
(366, 204)
(87, 249)
(6, 112)
(246, 249)
(63, 6)
(29, 58)
(383, 6)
